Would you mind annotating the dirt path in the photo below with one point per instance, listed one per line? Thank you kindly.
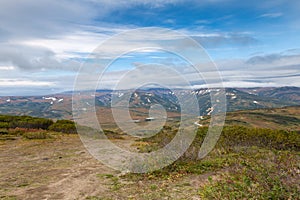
(51, 169)
(63, 169)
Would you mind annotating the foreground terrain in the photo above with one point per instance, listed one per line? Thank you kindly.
(248, 162)
(62, 169)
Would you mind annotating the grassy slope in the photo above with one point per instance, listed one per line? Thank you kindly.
(287, 118)
(247, 163)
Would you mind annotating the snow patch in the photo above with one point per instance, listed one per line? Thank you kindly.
(210, 110)
(201, 117)
(197, 124)
(50, 98)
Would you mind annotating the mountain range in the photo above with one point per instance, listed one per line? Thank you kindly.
(58, 106)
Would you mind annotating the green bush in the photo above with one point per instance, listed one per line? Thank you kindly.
(261, 137)
(4, 125)
(7, 121)
(254, 179)
(3, 131)
(232, 137)
(65, 126)
(17, 131)
(28, 122)
(37, 135)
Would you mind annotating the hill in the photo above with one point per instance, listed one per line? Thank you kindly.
(289, 94)
(286, 118)
(248, 162)
(59, 106)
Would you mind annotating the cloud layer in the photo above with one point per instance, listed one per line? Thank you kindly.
(44, 43)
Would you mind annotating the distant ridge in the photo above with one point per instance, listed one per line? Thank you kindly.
(60, 105)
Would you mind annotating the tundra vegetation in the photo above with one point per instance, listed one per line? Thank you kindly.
(248, 161)
(33, 127)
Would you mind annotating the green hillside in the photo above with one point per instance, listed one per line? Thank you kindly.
(247, 163)
(287, 118)
(256, 157)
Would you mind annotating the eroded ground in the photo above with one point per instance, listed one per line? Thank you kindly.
(61, 168)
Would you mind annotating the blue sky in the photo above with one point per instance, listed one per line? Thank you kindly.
(44, 43)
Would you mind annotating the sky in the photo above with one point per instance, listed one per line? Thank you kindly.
(46, 44)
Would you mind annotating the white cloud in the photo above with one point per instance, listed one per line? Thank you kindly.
(272, 15)
(6, 67)
(24, 83)
(39, 37)
(28, 57)
(47, 18)
(69, 46)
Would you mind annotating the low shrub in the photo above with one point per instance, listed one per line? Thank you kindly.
(37, 135)
(3, 131)
(17, 131)
(231, 137)
(7, 121)
(65, 126)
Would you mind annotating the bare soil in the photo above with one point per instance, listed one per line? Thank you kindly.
(62, 168)
(49, 169)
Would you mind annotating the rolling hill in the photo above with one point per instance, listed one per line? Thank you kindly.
(286, 118)
(59, 106)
